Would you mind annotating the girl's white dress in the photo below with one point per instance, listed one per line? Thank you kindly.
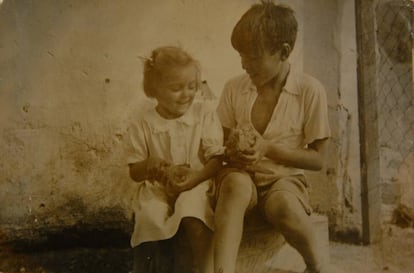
(190, 139)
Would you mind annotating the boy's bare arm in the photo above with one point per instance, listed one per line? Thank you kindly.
(310, 158)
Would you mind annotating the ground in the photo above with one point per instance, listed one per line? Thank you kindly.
(395, 254)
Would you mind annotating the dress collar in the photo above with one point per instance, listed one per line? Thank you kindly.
(159, 124)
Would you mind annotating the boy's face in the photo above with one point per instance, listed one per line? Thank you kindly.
(261, 68)
(175, 92)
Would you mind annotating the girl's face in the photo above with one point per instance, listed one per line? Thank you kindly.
(261, 68)
(176, 90)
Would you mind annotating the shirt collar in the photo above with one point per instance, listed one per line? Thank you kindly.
(290, 85)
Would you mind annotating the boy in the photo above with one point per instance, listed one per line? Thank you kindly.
(288, 113)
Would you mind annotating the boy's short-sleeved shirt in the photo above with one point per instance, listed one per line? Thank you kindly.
(299, 118)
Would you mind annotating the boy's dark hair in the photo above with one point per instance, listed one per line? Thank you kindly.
(163, 59)
(265, 26)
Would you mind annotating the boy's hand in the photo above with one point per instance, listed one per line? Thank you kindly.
(239, 159)
(156, 168)
(245, 147)
(253, 155)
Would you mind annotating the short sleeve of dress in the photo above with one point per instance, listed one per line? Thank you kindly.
(316, 124)
(212, 135)
(225, 107)
(136, 148)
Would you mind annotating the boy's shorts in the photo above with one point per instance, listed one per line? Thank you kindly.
(294, 184)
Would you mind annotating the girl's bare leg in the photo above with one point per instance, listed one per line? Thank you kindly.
(200, 239)
(155, 256)
(234, 197)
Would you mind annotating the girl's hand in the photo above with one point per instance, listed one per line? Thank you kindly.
(181, 178)
(188, 183)
(156, 168)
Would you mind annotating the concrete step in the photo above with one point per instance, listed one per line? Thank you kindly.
(263, 250)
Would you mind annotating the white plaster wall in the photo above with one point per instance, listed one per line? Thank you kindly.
(70, 75)
(349, 175)
(329, 54)
(320, 59)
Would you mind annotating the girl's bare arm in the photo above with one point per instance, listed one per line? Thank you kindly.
(149, 168)
(138, 171)
(196, 177)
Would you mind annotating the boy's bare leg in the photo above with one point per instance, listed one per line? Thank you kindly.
(285, 212)
(234, 197)
(200, 238)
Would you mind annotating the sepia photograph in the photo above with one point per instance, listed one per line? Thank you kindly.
(206, 136)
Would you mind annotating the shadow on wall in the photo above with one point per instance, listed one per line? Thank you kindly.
(92, 244)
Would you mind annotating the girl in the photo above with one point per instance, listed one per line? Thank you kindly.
(174, 149)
